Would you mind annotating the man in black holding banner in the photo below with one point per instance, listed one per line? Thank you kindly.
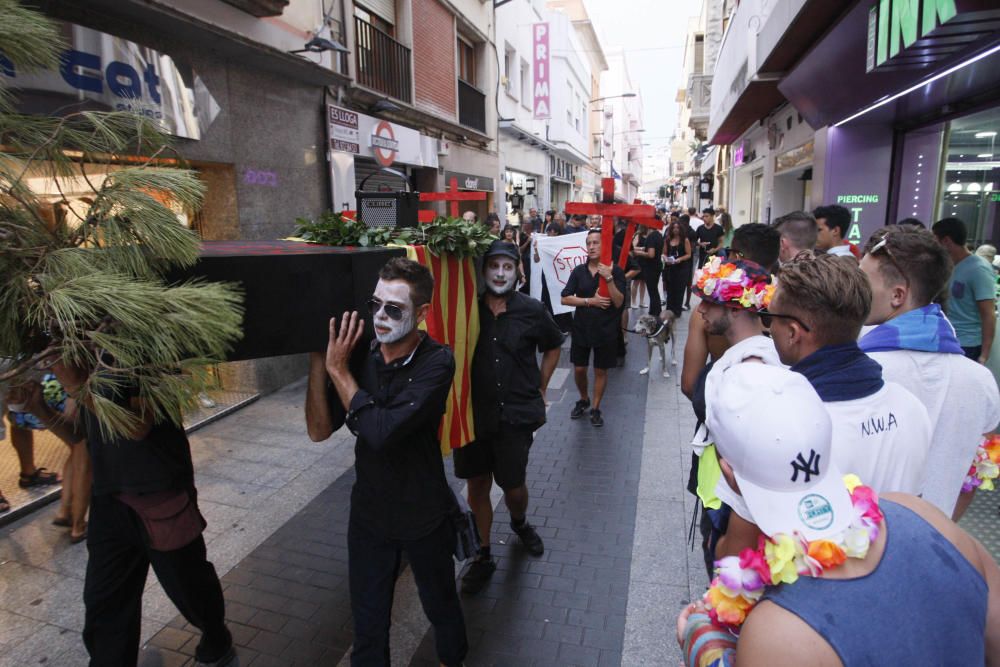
(392, 397)
(508, 403)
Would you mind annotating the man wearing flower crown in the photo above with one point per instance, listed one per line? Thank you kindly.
(916, 346)
(826, 586)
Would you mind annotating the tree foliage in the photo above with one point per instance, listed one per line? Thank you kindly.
(87, 288)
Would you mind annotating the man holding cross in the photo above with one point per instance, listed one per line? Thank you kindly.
(595, 324)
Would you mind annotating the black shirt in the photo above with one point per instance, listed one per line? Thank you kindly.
(159, 462)
(505, 373)
(401, 492)
(652, 240)
(592, 326)
(710, 236)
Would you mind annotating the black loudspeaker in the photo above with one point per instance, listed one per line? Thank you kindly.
(387, 209)
(291, 290)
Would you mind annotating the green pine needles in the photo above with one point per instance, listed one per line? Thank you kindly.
(81, 281)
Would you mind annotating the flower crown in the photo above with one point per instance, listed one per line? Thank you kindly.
(739, 282)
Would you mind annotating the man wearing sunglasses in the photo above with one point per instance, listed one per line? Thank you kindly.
(392, 396)
(881, 431)
(917, 347)
(508, 402)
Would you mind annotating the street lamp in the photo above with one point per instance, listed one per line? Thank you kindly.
(612, 97)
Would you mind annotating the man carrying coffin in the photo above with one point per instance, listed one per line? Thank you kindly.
(392, 397)
(508, 402)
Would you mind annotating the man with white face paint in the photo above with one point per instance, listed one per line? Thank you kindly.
(392, 397)
(508, 403)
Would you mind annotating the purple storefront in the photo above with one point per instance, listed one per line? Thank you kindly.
(908, 95)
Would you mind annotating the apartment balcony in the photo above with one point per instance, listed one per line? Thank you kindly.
(699, 101)
(471, 107)
(382, 63)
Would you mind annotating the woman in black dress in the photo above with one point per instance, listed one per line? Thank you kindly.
(676, 266)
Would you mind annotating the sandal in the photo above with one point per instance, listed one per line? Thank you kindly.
(76, 539)
(41, 477)
(62, 522)
(4, 505)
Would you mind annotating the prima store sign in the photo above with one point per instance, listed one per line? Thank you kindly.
(542, 103)
(120, 75)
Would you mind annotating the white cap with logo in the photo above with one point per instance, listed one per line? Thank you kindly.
(772, 428)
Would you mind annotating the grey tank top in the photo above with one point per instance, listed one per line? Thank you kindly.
(924, 604)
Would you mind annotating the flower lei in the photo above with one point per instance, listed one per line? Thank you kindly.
(725, 282)
(985, 466)
(781, 559)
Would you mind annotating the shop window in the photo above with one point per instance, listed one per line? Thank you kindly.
(970, 187)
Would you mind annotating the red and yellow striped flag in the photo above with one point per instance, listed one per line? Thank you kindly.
(453, 321)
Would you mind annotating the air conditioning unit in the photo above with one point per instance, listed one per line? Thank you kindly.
(444, 147)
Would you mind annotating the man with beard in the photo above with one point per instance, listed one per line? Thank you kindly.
(508, 402)
(392, 397)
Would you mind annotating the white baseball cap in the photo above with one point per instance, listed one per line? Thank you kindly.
(772, 428)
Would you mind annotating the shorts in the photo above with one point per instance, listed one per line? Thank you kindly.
(504, 454)
(605, 356)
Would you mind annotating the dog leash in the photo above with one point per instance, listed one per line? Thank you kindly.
(663, 325)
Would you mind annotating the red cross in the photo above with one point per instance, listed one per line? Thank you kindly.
(452, 195)
(642, 214)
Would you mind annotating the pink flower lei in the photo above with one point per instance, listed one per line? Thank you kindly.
(740, 581)
(985, 466)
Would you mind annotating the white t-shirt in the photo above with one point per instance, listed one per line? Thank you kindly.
(694, 223)
(962, 402)
(883, 439)
(842, 250)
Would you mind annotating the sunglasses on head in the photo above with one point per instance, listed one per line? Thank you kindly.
(393, 311)
(766, 315)
(883, 247)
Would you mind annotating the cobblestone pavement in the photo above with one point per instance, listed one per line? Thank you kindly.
(610, 504)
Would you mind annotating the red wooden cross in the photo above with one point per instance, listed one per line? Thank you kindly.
(452, 195)
(642, 214)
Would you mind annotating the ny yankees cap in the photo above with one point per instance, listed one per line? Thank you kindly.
(772, 428)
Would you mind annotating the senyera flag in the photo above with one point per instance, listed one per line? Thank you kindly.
(453, 321)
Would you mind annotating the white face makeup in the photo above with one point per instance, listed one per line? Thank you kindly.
(397, 293)
(501, 274)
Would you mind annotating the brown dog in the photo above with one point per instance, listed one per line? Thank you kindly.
(657, 333)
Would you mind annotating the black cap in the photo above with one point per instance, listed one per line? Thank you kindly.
(505, 248)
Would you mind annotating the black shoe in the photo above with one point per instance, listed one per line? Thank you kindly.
(229, 659)
(580, 409)
(478, 575)
(530, 538)
(595, 418)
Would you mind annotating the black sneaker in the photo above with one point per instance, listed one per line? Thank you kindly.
(595, 418)
(580, 409)
(531, 540)
(229, 659)
(478, 575)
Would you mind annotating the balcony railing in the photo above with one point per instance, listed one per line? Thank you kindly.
(471, 107)
(383, 64)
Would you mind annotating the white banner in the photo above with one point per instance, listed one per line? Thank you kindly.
(557, 257)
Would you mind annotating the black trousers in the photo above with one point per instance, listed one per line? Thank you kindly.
(118, 563)
(373, 565)
(675, 282)
(652, 280)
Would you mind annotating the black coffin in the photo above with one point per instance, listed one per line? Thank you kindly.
(291, 289)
